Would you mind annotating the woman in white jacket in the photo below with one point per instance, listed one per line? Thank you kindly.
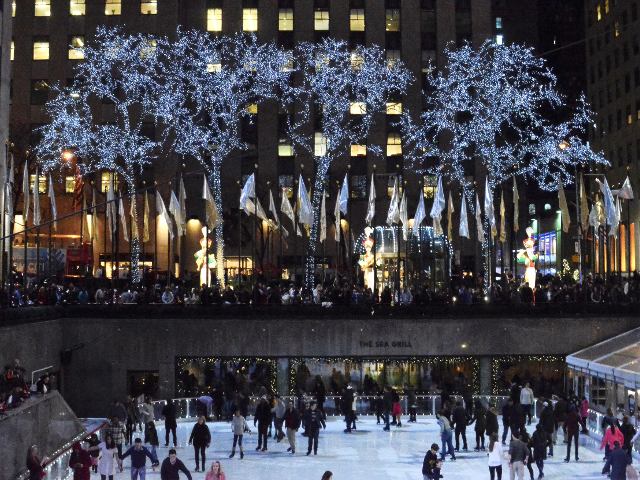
(495, 456)
(109, 460)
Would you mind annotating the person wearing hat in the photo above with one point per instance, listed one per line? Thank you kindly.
(80, 462)
(263, 418)
(548, 422)
(313, 419)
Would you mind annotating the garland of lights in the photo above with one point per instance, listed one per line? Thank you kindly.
(498, 92)
(271, 362)
(475, 364)
(496, 361)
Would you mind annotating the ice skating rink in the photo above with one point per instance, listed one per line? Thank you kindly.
(368, 453)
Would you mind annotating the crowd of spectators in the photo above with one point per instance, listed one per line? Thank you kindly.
(507, 291)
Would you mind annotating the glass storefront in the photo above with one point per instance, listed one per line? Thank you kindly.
(544, 374)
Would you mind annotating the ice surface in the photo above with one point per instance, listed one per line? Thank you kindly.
(368, 453)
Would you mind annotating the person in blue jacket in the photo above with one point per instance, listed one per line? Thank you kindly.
(617, 462)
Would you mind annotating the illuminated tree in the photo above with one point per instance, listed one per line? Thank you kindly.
(345, 90)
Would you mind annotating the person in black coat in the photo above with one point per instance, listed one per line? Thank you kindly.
(430, 461)
(200, 439)
(170, 425)
(506, 420)
(548, 422)
(491, 420)
(541, 440)
(617, 463)
(387, 406)
(460, 419)
(346, 404)
(320, 392)
(263, 418)
(628, 432)
(313, 419)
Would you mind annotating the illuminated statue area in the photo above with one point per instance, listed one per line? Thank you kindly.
(201, 259)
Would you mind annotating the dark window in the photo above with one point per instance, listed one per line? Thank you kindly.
(599, 70)
(35, 135)
(634, 11)
(601, 98)
(636, 77)
(608, 63)
(591, 47)
(609, 98)
(610, 121)
(618, 89)
(39, 92)
(607, 34)
(592, 74)
(627, 83)
(620, 157)
(629, 152)
(636, 44)
(619, 119)
(624, 18)
(616, 58)
(625, 51)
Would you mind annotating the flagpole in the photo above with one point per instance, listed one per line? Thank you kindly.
(155, 233)
(255, 231)
(295, 237)
(206, 254)
(375, 247)
(4, 213)
(143, 242)
(628, 235)
(349, 247)
(239, 241)
(169, 228)
(50, 224)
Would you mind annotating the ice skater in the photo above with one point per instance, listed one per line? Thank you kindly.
(446, 434)
(171, 467)
(313, 419)
(201, 440)
(238, 426)
(495, 456)
(429, 462)
(139, 456)
(291, 420)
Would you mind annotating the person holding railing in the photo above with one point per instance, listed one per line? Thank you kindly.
(34, 464)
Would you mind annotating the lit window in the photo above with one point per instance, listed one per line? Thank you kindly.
(394, 108)
(149, 8)
(358, 108)
(13, 49)
(106, 179)
(148, 50)
(250, 19)
(392, 57)
(214, 20)
(499, 39)
(394, 144)
(285, 20)
(356, 60)
(429, 186)
(356, 19)
(358, 150)
(392, 20)
(320, 145)
(606, 6)
(428, 60)
(76, 45)
(112, 7)
(498, 23)
(40, 50)
(13, 8)
(253, 109)
(285, 182)
(43, 8)
(599, 12)
(214, 67)
(42, 183)
(77, 7)
(285, 149)
(391, 181)
(69, 184)
(321, 20)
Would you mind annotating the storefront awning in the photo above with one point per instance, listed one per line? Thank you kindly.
(618, 357)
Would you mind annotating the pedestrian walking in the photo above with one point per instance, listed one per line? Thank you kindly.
(201, 440)
(215, 472)
(170, 425)
(518, 456)
(139, 456)
(313, 420)
(572, 426)
(459, 418)
(617, 462)
(238, 426)
(446, 434)
(540, 443)
(495, 457)
(172, 466)
(80, 462)
(291, 420)
(263, 418)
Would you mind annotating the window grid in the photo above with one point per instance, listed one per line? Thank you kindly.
(285, 182)
(250, 19)
(285, 148)
(69, 184)
(394, 144)
(320, 145)
(356, 20)
(42, 183)
(321, 20)
(106, 179)
(149, 7)
(76, 45)
(214, 20)
(43, 8)
(358, 187)
(285, 20)
(391, 183)
(429, 186)
(113, 7)
(77, 7)
(392, 17)
(358, 150)
(40, 50)
(13, 49)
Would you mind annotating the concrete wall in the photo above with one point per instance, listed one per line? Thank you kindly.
(45, 421)
(114, 346)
